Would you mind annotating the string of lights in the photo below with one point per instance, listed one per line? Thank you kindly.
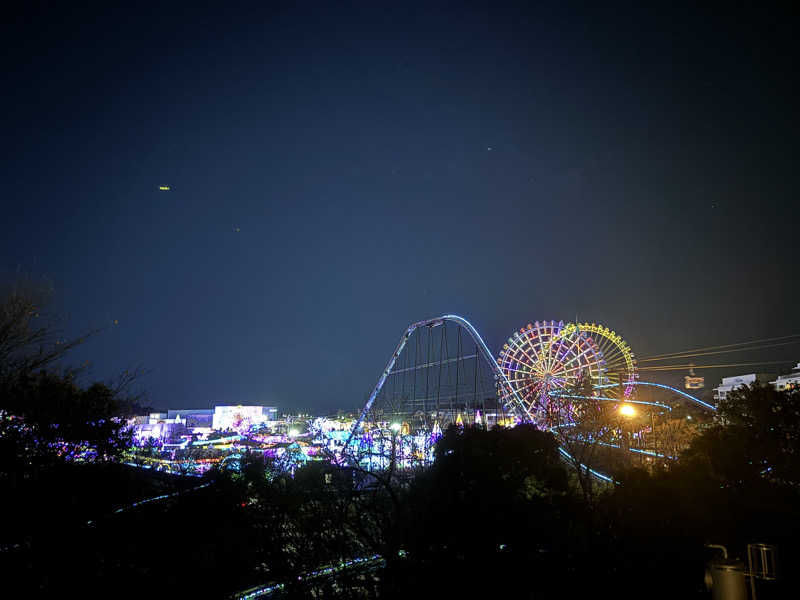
(376, 560)
(154, 499)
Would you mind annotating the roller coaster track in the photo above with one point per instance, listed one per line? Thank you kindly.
(483, 350)
(665, 387)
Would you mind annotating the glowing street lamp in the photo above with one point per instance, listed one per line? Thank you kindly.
(628, 411)
(395, 427)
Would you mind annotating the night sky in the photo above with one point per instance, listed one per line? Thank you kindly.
(340, 170)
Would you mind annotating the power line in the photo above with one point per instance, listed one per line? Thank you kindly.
(719, 366)
(745, 349)
(676, 354)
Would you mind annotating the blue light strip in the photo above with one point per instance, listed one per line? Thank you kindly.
(268, 590)
(638, 450)
(605, 399)
(651, 453)
(156, 498)
(665, 387)
(597, 474)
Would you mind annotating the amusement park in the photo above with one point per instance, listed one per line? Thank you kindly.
(605, 411)
(580, 381)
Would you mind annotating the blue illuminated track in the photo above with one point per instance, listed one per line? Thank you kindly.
(156, 498)
(265, 591)
(596, 474)
(665, 387)
(605, 399)
(638, 451)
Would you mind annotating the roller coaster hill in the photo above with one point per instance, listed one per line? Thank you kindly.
(442, 373)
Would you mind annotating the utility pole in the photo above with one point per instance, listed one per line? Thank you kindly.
(653, 431)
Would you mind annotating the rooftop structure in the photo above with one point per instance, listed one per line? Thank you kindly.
(731, 383)
(180, 422)
(788, 382)
(237, 417)
(193, 418)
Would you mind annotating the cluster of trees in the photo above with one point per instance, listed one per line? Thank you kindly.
(756, 438)
(501, 512)
(46, 417)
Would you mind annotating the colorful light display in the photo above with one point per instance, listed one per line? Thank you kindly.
(619, 362)
(545, 360)
(541, 360)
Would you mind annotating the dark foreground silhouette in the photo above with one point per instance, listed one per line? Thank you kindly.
(499, 514)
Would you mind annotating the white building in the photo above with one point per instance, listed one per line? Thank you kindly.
(783, 382)
(159, 426)
(731, 383)
(788, 382)
(242, 417)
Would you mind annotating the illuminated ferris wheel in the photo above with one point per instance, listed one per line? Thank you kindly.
(545, 360)
(619, 363)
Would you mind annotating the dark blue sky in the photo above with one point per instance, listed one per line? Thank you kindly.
(340, 170)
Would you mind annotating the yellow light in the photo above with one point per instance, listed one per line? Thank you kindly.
(164, 188)
(627, 410)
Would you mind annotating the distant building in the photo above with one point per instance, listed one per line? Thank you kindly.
(731, 383)
(238, 417)
(164, 429)
(177, 422)
(193, 418)
(788, 382)
(156, 418)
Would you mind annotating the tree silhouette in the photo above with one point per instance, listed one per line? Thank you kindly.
(30, 339)
(584, 425)
(45, 416)
(756, 436)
